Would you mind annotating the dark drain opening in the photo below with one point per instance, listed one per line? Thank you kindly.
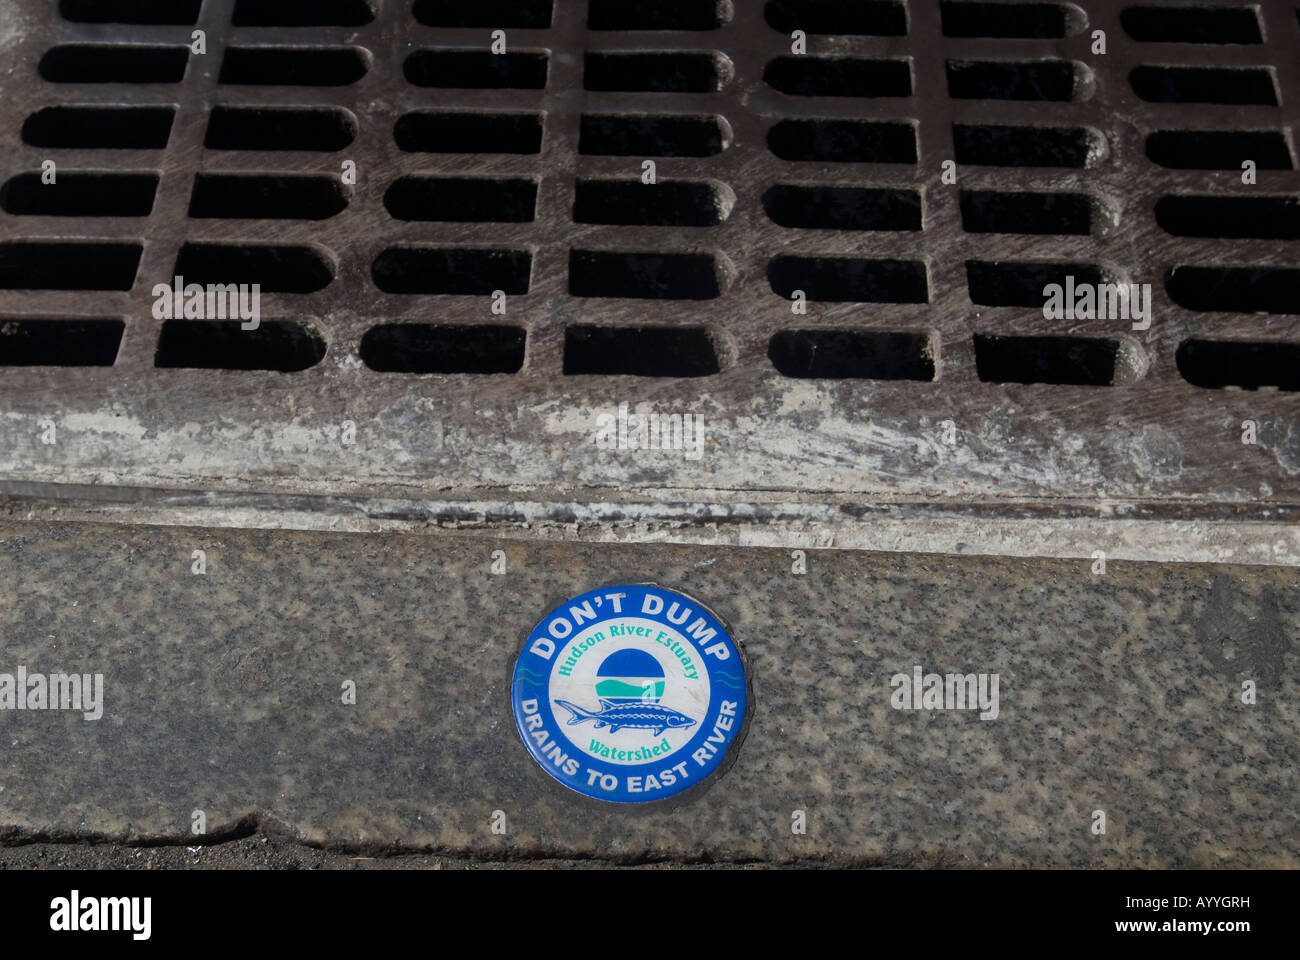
(462, 199)
(679, 203)
(1199, 24)
(806, 76)
(114, 63)
(1263, 218)
(282, 346)
(436, 348)
(641, 136)
(990, 211)
(1219, 149)
(1022, 284)
(639, 352)
(849, 280)
(469, 133)
(1158, 84)
(503, 14)
(656, 72)
(1010, 20)
(1015, 80)
(178, 12)
(843, 141)
(81, 195)
(295, 13)
(476, 69)
(876, 18)
(55, 265)
(657, 14)
(1001, 146)
(111, 128)
(40, 342)
(279, 269)
(843, 208)
(645, 276)
(293, 66)
(1235, 289)
(1072, 361)
(1217, 364)
(852, 354)
(277, 128)
(260, 196)
(468, 272)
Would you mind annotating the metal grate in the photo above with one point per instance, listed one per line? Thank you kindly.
(521, 172)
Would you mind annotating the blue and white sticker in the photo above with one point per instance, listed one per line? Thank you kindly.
(629, 693)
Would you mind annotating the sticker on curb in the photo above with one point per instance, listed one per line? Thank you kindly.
(629, 693)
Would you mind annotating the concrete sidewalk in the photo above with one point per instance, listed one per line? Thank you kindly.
(1119, 692)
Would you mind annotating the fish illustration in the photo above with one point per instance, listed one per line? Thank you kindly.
(643, 716)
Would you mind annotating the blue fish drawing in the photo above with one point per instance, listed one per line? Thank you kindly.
(643, 716)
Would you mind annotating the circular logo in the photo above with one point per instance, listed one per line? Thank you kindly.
(629, 693)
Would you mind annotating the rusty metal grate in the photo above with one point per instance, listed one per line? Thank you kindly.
(520, 172)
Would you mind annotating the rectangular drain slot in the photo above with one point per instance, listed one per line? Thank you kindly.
(519, 133)
(805, 76)
(462, 199)
(852, 354)
(75, 194)
(1219, 149)
(1193, 24)
(1236, 289)
(70, 265)
(1022, 284)
(292, 66)
(114, 63)
(476, 69)
(278, 269)
(443, 348)
(167, 12)
(872, 18)
(49, 342)
(639, 351)
(849, 280)
(615, 135)
(1247, 365)
(842, 208)
(1263, 218)
(677, 203)
(100, 128)
(843, 141)
(656, 72)
(992, 211)
(1075, 361)
(1009, 21)
(263, 196)
(295, 13)
(502, 14)
(1014, 79)
(644, 276)
(657, 14)
(323, 129)
(1002, 146)
(1160, 84)
(456, 271)
(282, 346)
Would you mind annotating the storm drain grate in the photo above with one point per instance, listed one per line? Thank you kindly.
(559, 192)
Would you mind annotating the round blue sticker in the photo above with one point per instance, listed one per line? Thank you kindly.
(629, 693)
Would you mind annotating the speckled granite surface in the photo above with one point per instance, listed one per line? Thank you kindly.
(1118, 692)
